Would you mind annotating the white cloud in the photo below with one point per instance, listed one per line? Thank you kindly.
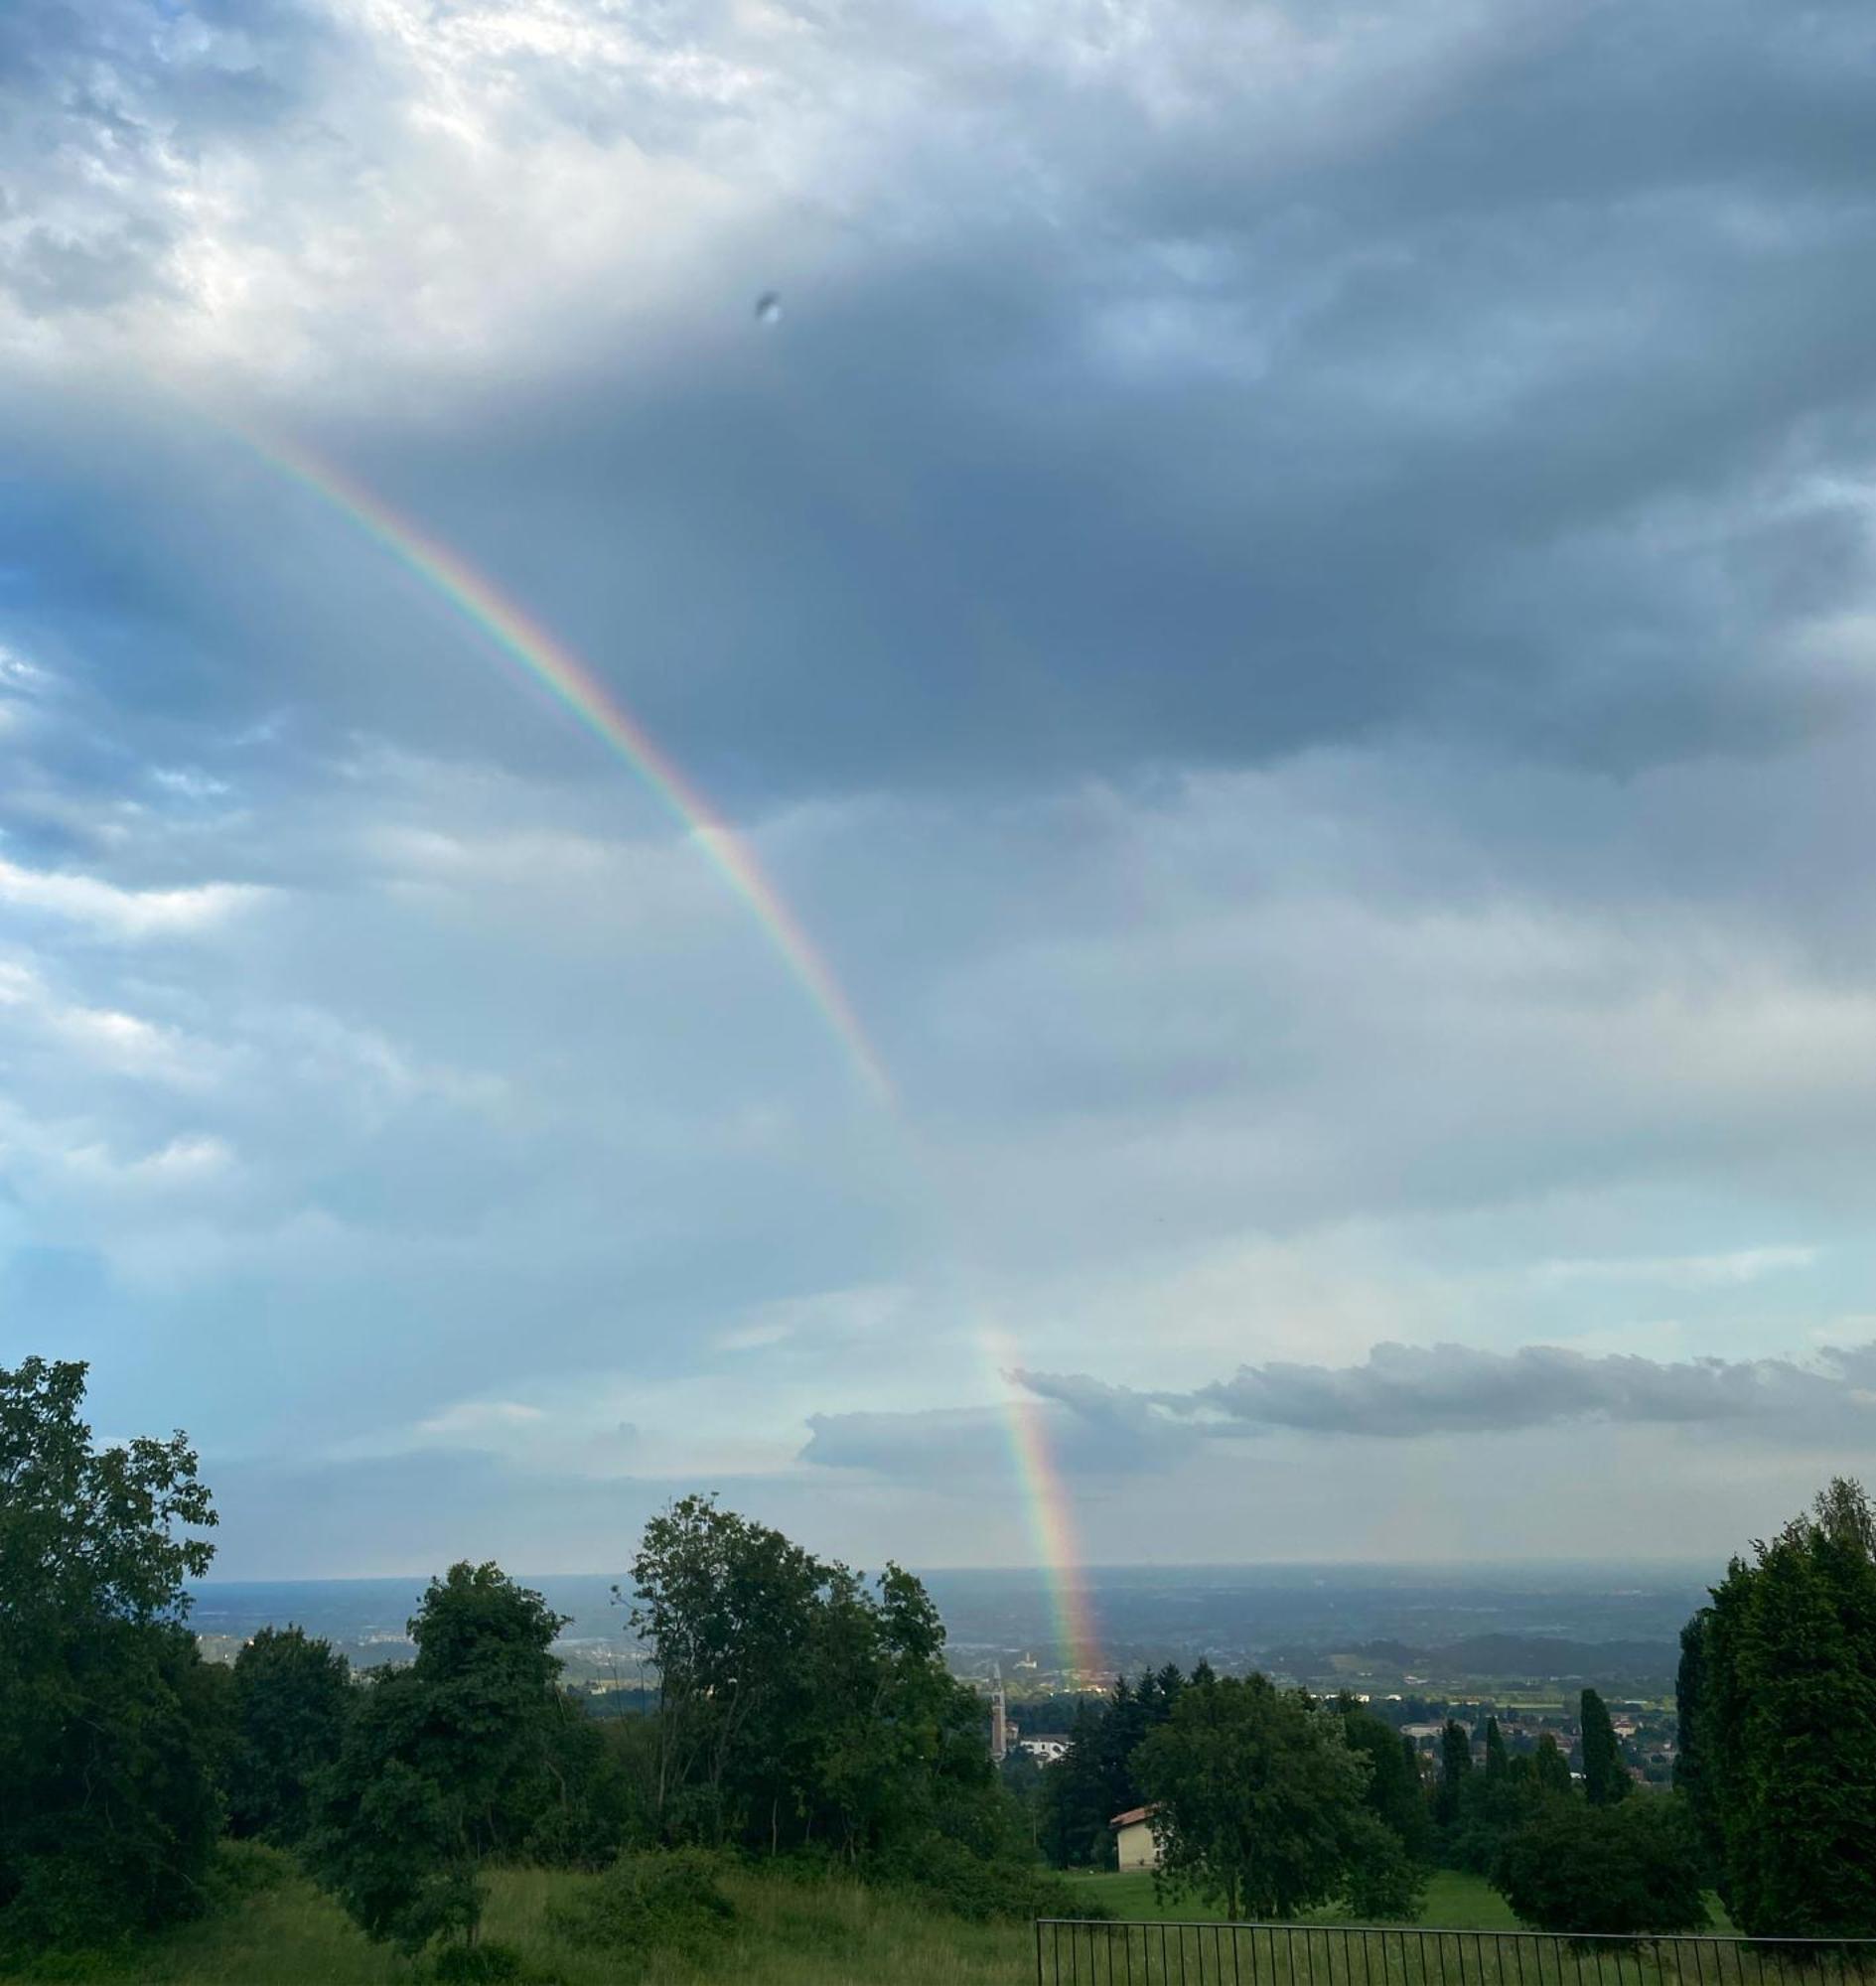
(120, 913)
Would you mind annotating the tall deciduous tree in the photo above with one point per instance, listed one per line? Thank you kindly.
(1258, 1798)
(796, 1704)
(111, 1728)
(1605, 1778)
(451, 1762)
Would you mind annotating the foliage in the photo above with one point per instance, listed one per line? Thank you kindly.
(1256, 1794)
(1550, 1768)
(474, 1965)
(293, 1698)
(1496, 1760)
(111, 1727)
(1391, 1791)
(1632, 1868)
(1455, 1772)
(1605, 1778)
(795, 1705)
(667, 1901)
(1096, 1779)
(1383, 1882)
(1780, 1751)
(459, 1759)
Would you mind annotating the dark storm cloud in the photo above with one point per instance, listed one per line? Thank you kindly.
(1199, 437)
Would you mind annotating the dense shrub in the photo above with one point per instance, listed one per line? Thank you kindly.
(486, 1964)
(948, 1876)
(668, 1900)
(1633, 1868)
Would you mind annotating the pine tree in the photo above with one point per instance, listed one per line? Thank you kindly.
(1605, 1776)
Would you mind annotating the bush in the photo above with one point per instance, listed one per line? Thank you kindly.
(244, 1869)
(1384, 1884)
(1631, 1869)
(948, 1876)
(669, 1900)
(477, 1964)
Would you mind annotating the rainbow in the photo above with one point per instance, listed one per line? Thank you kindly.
(1051, 1515)
(540, 656)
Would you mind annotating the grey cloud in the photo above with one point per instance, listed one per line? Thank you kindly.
(1382, 428)
(1399, 1392)
(1403, 1390)
(1089, 1430)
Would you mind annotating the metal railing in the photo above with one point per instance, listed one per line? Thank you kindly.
(1083, 1951)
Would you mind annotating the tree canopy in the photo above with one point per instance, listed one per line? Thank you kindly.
(111, 1727)
(1779, 1751)
(1257, 1795)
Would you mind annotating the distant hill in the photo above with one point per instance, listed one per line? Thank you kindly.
(1489, 1658)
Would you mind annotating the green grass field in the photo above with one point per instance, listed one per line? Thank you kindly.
(1454, 1902)
(787, 1934)
(790, 1932)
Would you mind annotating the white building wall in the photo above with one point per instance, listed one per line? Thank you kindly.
(1138, 1849)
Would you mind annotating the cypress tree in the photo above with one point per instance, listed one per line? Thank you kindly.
(1690, 1712)
(1497, 1760)
(1550, 1768)
(1786, 1725)
(1455, 1770)
(1605, 1778)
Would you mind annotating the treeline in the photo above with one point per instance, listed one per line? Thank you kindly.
(801, 1714)
(805, 1716)
(1268, 1802)
(1271, 1801)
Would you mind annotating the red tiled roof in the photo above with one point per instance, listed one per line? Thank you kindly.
(1132, 1814)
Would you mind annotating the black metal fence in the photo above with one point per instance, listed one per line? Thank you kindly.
(1078, 1951)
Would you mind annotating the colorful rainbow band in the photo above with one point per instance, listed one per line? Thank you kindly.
(551, 665)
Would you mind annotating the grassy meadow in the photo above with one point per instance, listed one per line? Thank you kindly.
(787, 1933)
(1454, 1901)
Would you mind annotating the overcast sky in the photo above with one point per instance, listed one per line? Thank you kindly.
(1288, 600)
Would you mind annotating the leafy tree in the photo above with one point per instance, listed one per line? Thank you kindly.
(293, 1698)
(111, 1727)
(455, 1760)
(1605, 1778)
(1783, 1725)
(1381, 1881)
(1631, 1869)
(1455, 1772)
(1257, 1797)
(797, 1706)
(725, 1607)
